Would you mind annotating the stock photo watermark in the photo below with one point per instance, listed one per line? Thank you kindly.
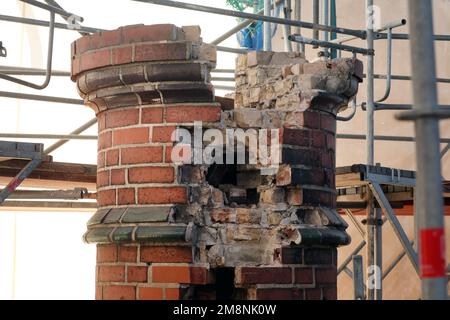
(74, 22)
(374, 277)
(373, 17)
(230, 146)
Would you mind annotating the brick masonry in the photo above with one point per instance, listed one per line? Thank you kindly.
(166, 230)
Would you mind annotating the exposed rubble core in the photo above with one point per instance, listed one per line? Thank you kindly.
(167, 229)
(279, 80)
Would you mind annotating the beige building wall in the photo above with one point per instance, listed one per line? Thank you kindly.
(402, 283)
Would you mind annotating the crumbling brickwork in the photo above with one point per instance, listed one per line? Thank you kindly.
(171, 229)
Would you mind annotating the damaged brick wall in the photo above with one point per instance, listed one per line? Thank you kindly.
(171, 230)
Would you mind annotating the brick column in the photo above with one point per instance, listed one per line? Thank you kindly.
(142, 82)
(283, 91)
(195, 231)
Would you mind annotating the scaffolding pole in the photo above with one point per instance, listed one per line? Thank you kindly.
(287, 29)
(238, 14)
(56, 5)
(370, 84)
(326, 44)
(300, 47)
(42, 23)
(358, 278)
(21, 71)
(371, 214)
(36, 97)
(231, 50)
(77, 131)
(404, 36)
(378, 35)
(48, 71)
(315, 14)
(58, 10)
(232, 31)
(267, 32)
(429, 205)
(325, 21)
(384, 138)
(47, 136)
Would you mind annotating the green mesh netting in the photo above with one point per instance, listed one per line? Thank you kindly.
(242, 5)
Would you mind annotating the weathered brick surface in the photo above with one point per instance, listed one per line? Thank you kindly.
(150, 293)
(131, 136)
(329, 293)
(296, 137)
(96, 59)
(141, 155)
(280, 294)
(106, 197)
(222, 215)
(103, 178)
(107, 253)
(137, 273)
(162, 51)
(126, 196)
(179, 274)
(101, 157)
(173, 293)
(128, 253)
(318, 256)
(162, 195)
(98, 293)
(182, 114)
(162, 134)
(112, 157)
(328, 123)
(151, 174)
(169, 254)
(180, 227)
(138, 43)
(118, 177)
(326, 275)
(152, 115)
(121, 118)
(104, 140)
(121, 55)
(111, 273)
(169, 266)
(304, 275)
(260, 275)
(289, 255)
(317, 197)
(309, 119)
(157, 32)
(119, 292)
(313, 294)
